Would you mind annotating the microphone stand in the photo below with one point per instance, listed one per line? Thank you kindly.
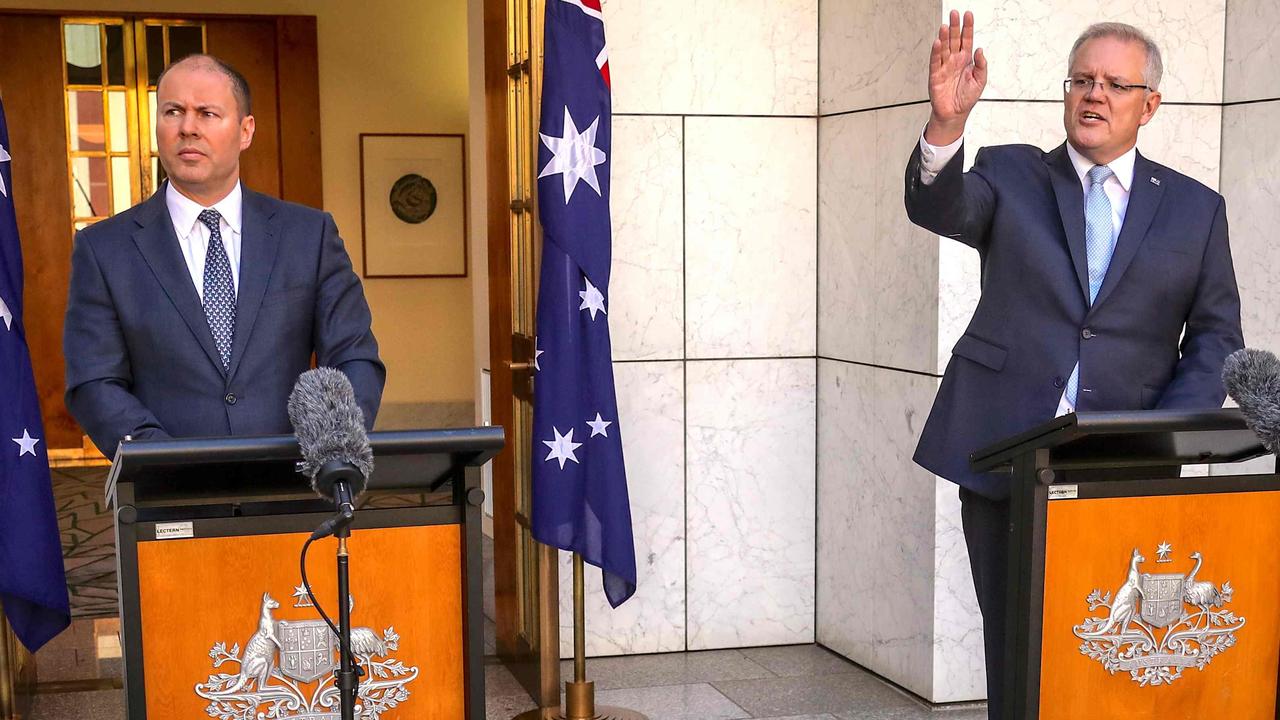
(348, 675)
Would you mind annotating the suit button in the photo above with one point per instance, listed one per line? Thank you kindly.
(230, 398)
(1059, 383)
(1086, 333)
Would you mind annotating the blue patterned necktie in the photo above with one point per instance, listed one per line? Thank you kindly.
(1099, 232)
(219, 290)
(1100, 245)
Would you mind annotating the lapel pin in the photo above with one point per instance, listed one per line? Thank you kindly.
(1155, 182)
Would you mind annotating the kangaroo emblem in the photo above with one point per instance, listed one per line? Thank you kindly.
(1125, 603)
(260, 651)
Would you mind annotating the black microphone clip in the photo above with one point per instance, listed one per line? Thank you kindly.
(340, 481)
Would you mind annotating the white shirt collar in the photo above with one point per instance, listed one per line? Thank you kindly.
(1121, 167)
(185, 212)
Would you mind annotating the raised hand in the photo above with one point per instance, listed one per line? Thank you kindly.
(957, 75)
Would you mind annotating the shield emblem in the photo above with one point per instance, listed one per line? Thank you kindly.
(1162, 599)
(306, 649)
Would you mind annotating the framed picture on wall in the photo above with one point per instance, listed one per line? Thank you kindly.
(413, 205)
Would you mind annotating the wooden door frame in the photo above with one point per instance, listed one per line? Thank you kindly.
(39, 107)
(538, 673)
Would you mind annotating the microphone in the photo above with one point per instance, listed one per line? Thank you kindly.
(1252, 378)
(329, 426)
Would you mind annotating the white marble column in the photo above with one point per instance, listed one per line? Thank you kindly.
(713, 313)
(1250, 183)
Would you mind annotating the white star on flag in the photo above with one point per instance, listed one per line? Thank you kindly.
(591, 299)
(562, 447)
(26, 443)
(536, 354)
(6, 314)
(4, 157)
(599, 426)
(575, 156)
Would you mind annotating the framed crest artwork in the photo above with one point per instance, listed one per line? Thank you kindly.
(413, 205)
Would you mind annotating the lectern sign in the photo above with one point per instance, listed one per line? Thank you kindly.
(1157, 624)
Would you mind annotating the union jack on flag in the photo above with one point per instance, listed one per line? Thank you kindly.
(579, 482)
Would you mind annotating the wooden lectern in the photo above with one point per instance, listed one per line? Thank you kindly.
(215, 623)
(1134, 592)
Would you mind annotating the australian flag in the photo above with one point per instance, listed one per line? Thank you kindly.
(33, 584)
(579, 483)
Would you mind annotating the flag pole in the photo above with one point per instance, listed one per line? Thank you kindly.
(7, 701)
(580, 694)
(580, 697)
(17, 674)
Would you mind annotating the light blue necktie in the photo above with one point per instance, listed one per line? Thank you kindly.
(1099, 244)
(219, 290)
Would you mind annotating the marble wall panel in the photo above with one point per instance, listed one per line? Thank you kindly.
(751, 237)
(1252, 189)
(877, 272)
(728, 57)
(651, 419)
(646, 288)
(1187, 138)
(1264, 465)
(1252, 50)
(849, 540)
(1027, 43)
(873, 54)
(751, 467)
(959, 665)
(876, 522)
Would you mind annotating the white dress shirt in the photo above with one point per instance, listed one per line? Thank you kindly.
(933, 158)
(193, 235)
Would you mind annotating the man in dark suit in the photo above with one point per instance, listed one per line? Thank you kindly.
(1107, 281)
(193, 313)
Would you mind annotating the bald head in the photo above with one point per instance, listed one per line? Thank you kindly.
(210, 63)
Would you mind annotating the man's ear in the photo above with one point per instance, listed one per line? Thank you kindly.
(247, 126)
(1149, 105)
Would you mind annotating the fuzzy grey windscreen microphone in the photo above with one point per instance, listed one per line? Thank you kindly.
(1252, 378)
(329, 425)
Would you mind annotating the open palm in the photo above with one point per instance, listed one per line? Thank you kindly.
(957, 74)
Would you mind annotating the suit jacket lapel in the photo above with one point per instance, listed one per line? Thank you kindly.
(158, 244)
(258, 245)
(1067, 188)
(1144, 199)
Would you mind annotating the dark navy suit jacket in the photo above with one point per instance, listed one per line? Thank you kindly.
(1022, 209)
(141, 361)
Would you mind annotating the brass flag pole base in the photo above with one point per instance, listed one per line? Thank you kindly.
(603, 712)
(580, 695)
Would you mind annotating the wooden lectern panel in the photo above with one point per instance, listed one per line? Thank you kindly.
(225, 636)
(1185, 622)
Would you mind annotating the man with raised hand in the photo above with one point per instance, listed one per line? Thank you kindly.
(1107, 281)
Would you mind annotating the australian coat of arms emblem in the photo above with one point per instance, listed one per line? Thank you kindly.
(1157, 624)
(286, 671)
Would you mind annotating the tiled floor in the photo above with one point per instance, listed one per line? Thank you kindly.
(797, 682)
(801, 682)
